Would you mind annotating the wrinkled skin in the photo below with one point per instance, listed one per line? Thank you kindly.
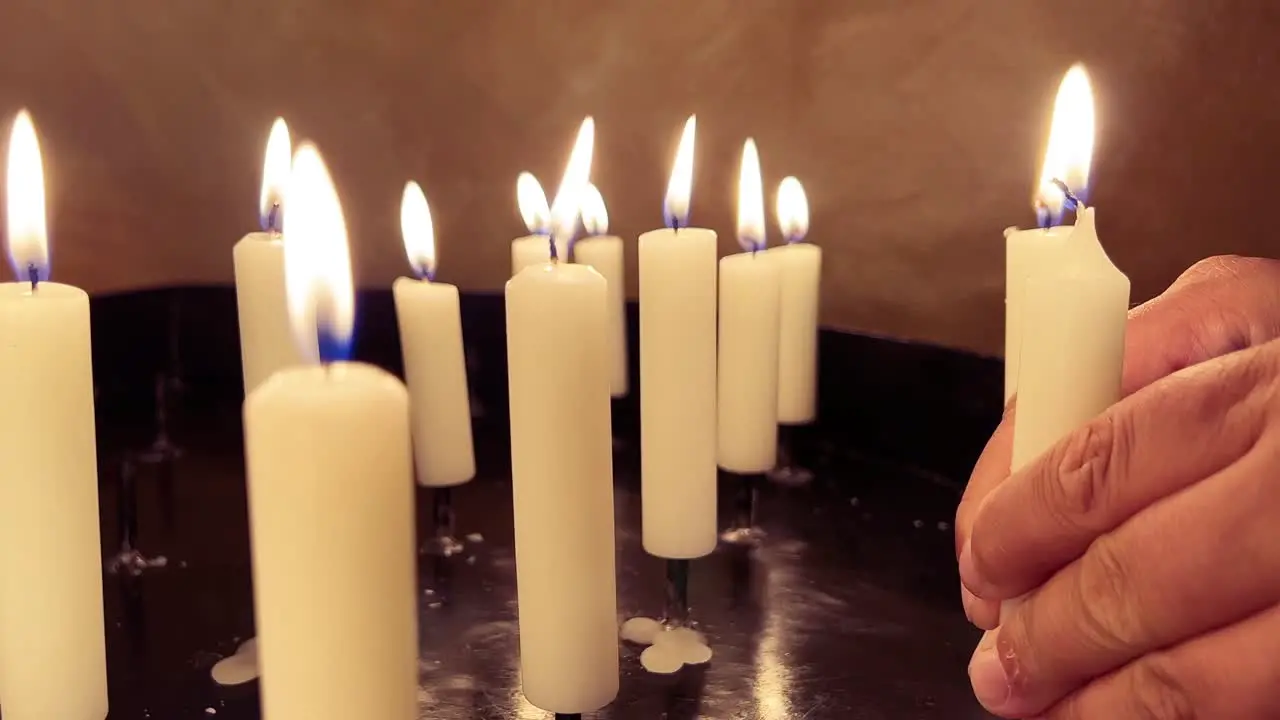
(1144, 546)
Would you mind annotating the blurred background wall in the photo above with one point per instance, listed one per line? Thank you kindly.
(916, 126)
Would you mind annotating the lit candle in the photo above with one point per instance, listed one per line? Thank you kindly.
(748, 370)
(53, 660)
(330, 495)
(434, 363)
(266, 343)
(800, 272)
(1067, 157)
(1074, 311)
(678, 374)
(534, 248)
(603, 252)
(561, 469)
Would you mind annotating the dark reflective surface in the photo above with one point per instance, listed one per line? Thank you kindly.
(847, 610)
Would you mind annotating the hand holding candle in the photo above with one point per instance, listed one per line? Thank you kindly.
(330, 496)
(747, 380)
(800, 273)
(266, 343)
(434, 363)
(678, 374)
(603, 252)
(52, 645)
(562, 469)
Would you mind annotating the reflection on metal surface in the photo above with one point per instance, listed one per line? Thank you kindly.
(773, 676)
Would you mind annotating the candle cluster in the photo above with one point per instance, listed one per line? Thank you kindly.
(728, 352)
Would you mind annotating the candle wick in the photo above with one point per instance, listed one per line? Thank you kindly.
(273, 224)
(33, 273)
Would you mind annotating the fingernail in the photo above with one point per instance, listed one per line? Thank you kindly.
(987, 674)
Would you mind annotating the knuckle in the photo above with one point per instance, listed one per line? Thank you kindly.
(1105, 599)
(1081, 488)
(1158, 691)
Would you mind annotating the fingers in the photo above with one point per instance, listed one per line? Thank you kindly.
(1202, 559)
(1217, 306)
(1231, 673)
(1152, 444)
(992, 468)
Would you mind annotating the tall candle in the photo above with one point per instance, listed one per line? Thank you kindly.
(562, 476)
(603, 252)
(799, 274)
(678, 375)
(1068, 156)
(52, 646)
(330, 497)
(534, 248)
(434, 363)
(747, 379)
(1075, 311)
(266, 343)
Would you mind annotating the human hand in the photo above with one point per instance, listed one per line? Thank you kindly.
(1219, 305)
(1146, 553)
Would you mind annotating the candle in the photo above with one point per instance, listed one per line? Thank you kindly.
(1074, 313)
(1027, 252)
(799, 272)
(603, 252)
(561, 469)
(747, 379)
(434, 363)
(266, 343)
(678, 374)
(534, 248)
(52, 646)
(330, 496)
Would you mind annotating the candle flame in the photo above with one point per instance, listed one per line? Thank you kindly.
(417, 231)
(595, 218)
(317, 262)
(577, 173)
(532, 202)
(275, 173)
(793, 210)
(675, 208)
(27, 227)
(1070, 148)
(750, 200)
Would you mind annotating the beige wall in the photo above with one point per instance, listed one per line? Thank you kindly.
(915, 124)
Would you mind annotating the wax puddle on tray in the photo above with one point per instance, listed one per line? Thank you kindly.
(240, 668)
(669, 648)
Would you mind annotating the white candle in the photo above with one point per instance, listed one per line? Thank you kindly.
(800, 274)
(434, 363)
(330, 497)
(534, 248)
(1072, 344)
(266, 342)
(603, 252)
(52, 646)
(562, 476)
(747, 379)
(678, 375)
(1074, 311)
(1068, 156)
